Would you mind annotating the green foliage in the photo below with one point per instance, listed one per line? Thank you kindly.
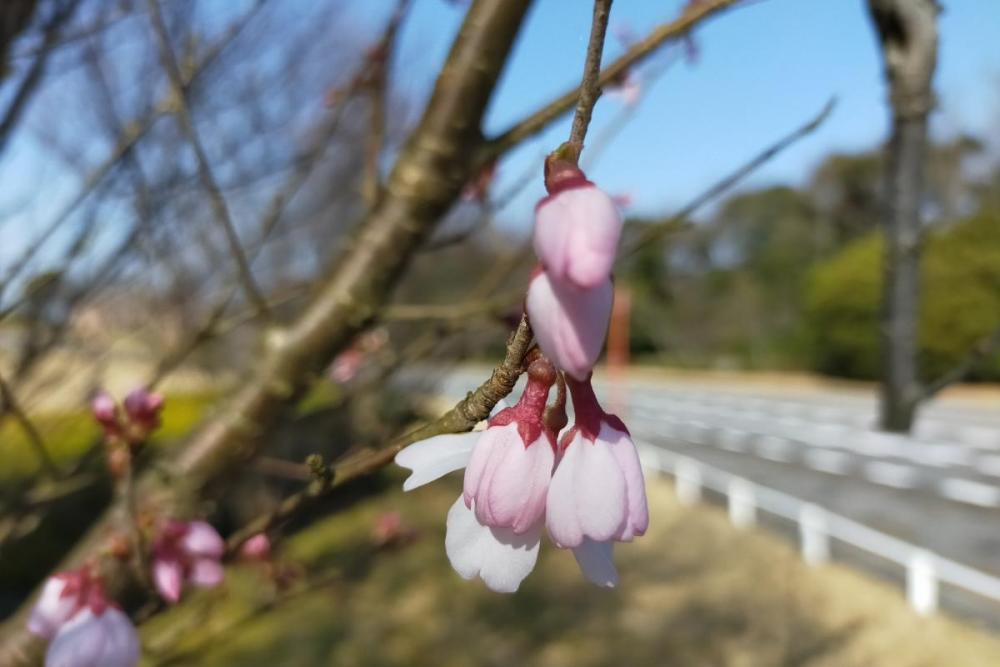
(960, 276)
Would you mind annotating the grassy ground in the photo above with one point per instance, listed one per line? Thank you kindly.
(694, 593)
(68, 434)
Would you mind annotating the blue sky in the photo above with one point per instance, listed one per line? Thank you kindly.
(762, 70)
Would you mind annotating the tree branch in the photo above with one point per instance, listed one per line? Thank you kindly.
(590, 86)
(681, 218)
(468, 412)
(182, 112)
(694, 13)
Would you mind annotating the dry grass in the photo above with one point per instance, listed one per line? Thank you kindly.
(694, 593)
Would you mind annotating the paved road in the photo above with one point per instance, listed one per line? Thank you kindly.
(939, 488)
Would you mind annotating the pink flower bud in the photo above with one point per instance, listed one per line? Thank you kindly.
(569, 323)
(105, 410)
(577, 229)
(257, 547)
(143, 407)
(597, 492)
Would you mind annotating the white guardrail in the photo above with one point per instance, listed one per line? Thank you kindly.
(817, 526)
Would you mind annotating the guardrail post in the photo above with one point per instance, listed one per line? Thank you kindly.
(687, 479)
(742, 504)
(813, 534)
(921, 582)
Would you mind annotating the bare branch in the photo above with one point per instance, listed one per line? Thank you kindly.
(182, 112)
(590, 86)
(694, 13)
(462, 417)
(681, 218)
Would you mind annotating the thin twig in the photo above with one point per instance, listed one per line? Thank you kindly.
(693, 14)
(468, 412)
(182, 113)
(681, 218)
(590, 86)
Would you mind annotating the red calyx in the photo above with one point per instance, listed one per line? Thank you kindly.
(529, 410)
(589, 413)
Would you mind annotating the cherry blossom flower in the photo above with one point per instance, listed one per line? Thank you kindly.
(569, 323)
(577, 227)
(63, 595)
(495, 526)
(86, 630)
(186, 552)
(597, 494)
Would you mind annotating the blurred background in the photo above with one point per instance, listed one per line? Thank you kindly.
(135, 155)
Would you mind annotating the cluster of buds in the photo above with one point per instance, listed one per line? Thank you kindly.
(526, 473)
(133, 421)
(521, 479)
(84, 628)
(576, 234)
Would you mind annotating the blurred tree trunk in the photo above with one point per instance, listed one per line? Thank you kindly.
(15, 16)
(907, 32)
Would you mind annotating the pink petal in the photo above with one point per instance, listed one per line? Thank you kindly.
(206, 573)
(625, 453)
(201, 539)
(561, 517)
(570, 324)
(596, 563)
(168, 574)
(517, 490)
(576, 235)
(600, 492)
(496, 555)
(587, 495)
(435, 457)
(488, 442)
(52, 609)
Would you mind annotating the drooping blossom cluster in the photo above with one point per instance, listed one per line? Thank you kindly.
(84, 628)
(585, 488)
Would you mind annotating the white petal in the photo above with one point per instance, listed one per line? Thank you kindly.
(435, 457)
(79, 643)
(121, 647)
(496, 555)
(596, 563)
